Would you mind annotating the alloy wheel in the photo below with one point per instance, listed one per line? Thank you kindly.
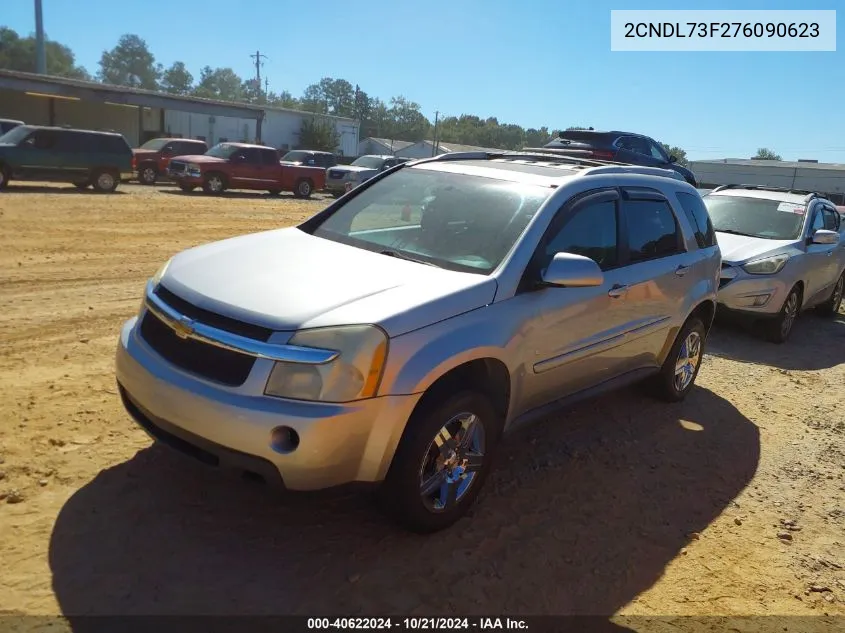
(689, 357)
(452, 462)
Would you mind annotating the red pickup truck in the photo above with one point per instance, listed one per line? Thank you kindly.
(153, 157)
(243, 166)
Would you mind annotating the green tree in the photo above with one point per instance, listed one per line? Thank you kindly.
(177, 79)
(330, 96)
(677, 152)
(408, 122)
(130, 63)
(318, 133)
(764, 153)
(219, 83)
(18, 53)
(282, 100)
(537, 138)
(576, 127)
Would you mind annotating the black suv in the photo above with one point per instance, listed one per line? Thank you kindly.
(310, 158)
(620, 147)
(57, 154)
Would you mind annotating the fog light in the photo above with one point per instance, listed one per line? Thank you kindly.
(284, 439)
(760, 300)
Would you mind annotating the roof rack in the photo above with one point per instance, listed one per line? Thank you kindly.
(810, 195)
(545, 155)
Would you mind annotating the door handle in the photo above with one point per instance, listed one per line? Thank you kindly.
(680, 271)
(617, 291)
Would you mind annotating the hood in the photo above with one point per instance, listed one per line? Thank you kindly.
(288, 280)
(198, 158)
(351, 168)
(740, 248)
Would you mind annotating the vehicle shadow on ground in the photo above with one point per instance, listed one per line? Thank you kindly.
(815, 343)
(582, 514)
(244, 194)
(13, 188)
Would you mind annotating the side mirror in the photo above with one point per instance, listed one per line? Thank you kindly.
(673, 159)
(573, 271)
(238, 158)
(167, 150)
(824, 236)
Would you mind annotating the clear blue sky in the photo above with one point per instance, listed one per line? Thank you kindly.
(531, 62)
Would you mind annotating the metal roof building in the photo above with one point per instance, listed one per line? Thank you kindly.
(144, 114)
(826, 178)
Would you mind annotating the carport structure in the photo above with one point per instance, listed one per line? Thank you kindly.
(137, 114)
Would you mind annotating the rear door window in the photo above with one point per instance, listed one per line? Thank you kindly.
(698, 217)
(652, 230)
(269, 157)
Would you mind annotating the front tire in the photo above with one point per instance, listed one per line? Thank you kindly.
(214, 184)
(778, 329)
(4, 177)
(442, 460)
(680, 369)
(105, 181)
(303, 188)
(147, 175)
(830, 307)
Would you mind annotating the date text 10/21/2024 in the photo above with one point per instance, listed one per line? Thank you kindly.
(416, 624)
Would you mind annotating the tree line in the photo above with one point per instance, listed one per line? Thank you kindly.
(131, 63)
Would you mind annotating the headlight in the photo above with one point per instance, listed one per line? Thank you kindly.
(767, 265)
(193, 170)
(354, 375)
(160, 273)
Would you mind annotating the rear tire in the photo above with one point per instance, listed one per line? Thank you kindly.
(4, 177)
(830, 307)
(105, 181)
(147, 174)
(214, 184)
(474, 428)
(680, 369)
(778, 329)
(303, 188)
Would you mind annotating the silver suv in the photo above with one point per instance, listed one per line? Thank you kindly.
(393, 337)
(783, 252)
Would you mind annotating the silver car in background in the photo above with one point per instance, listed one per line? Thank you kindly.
(341, 178)
(394, 337)
(782, 252)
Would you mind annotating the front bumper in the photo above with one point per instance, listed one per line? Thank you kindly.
(761, 296)
(338, 443)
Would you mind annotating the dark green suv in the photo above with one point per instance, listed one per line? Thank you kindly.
(57, 154)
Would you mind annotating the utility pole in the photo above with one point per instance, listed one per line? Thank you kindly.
(434, 142)
(266, 86)
(257, 56)
(40, 46)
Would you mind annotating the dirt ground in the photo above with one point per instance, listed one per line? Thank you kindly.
(732, 503)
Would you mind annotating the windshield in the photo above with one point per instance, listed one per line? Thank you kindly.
(458, 222)
(222, 150)
(370, 162)
(155, 144)
(296, 157)
(15, 135)
(756, 217)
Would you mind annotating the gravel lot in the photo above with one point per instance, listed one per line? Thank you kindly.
(732, 503)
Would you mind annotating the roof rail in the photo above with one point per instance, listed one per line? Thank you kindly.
(810, 195)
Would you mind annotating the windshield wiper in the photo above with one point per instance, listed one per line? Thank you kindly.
(404, 256)
(732, 232)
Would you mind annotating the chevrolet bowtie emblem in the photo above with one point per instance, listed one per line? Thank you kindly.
(183, 328)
